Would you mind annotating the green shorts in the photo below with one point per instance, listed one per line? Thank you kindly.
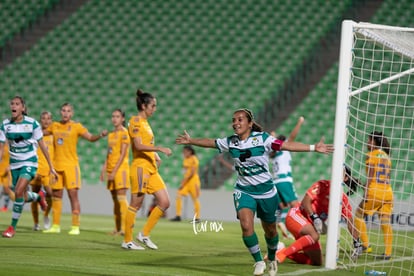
(22, 172)
(287, 192)
(266, 208)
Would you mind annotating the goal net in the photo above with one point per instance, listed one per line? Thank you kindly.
(375, 93)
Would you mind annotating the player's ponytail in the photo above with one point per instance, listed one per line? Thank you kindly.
(143, 98)
(380, 141)
(250, 118)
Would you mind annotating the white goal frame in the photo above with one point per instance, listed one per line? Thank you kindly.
(344, 91)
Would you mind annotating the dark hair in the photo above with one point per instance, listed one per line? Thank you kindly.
(281, 137)
(143, 98)
(23, 103)
(122, 114)
(380, 140)
(190, 149)
(351, 182)
(66, 104)
(250, 118)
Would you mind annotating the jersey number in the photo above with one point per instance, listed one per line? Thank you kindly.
(383, 174)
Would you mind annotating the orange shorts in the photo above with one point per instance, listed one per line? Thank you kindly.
(371, 206)
(144, 181)
(121, 180)
(69, 178)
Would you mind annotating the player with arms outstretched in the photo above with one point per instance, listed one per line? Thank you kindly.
(254, 190)
(66, 134)
(116, 169)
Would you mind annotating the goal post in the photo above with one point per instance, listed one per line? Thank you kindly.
(375, 93)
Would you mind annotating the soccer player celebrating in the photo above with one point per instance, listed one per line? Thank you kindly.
(190, 185)
(306, 222)
(116, 169)
(254, 190)
(145, 178)
(23, 134)
(66, 134)
(43, 177)
(378, 195)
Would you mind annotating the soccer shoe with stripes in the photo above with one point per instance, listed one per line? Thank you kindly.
(55, 229)
(9, 232)
(280, 256)
(131, 246)
(146, 240)
(74, 230)
(272, 268)
(259, 268)
(42, 200)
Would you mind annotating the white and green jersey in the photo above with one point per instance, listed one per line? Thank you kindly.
(251, 162)
(282, 169)
(22, 138)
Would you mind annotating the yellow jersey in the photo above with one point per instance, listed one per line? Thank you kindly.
(139, 127)
(191, 163)
(380, 187)
(115, 141)
(5, 159)
(65, 139)
(43, 167)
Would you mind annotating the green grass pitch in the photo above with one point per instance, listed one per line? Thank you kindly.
(95, 252)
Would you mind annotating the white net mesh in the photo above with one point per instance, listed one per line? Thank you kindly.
(382, 99)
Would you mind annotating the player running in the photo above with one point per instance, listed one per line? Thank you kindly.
(254, 189)
(43, 176)
(66, 134)
(306, 221)
(116, 169)
(378, 195)
(145, 178)
(190, 185)
(23, 134)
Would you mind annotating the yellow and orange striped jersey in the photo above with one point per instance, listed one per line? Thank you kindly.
(380, 186)
(43, 168)
(65, 138)
(139, 127)
(5, 160)
(191, 163)
(115, 141)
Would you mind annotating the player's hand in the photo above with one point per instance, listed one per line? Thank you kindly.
(104, 133)
(183, 139)
(321, 147)
(54, 173)
(317, 223)
(357, 251)
(111, 177)
(166, 151)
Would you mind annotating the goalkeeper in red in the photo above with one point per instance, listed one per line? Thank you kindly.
(306, 221)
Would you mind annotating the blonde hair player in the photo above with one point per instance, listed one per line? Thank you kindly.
(145, 178)
(66, 134)
(116, 169)
(254, 190)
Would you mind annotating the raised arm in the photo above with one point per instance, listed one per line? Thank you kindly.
(295, 131)
(185, 139)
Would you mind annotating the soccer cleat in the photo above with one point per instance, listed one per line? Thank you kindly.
(272, 268)
(131, 246)
(74, 230)
(55, 229)
(280, 256)
(3, 209)
(46, 223)
(42, 200)
(177, 218)
(9, 232)
(36, 227)
(146, 240)
(366, 249)
(259, 268)
(383, 257)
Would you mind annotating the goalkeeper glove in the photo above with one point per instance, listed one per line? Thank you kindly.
(317, 223)
(358, 249)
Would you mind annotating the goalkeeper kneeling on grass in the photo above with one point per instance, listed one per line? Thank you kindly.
(306, 221)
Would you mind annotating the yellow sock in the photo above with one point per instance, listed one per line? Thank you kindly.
(75, 218)
(129, 223)
(57, 210)
(123, 206)
(12, 195)
(197, 208)
(117, 213)
(178, 205)
(362, 230)
(156, 214)
(387, 232)
(49, 205)
(35, 212)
